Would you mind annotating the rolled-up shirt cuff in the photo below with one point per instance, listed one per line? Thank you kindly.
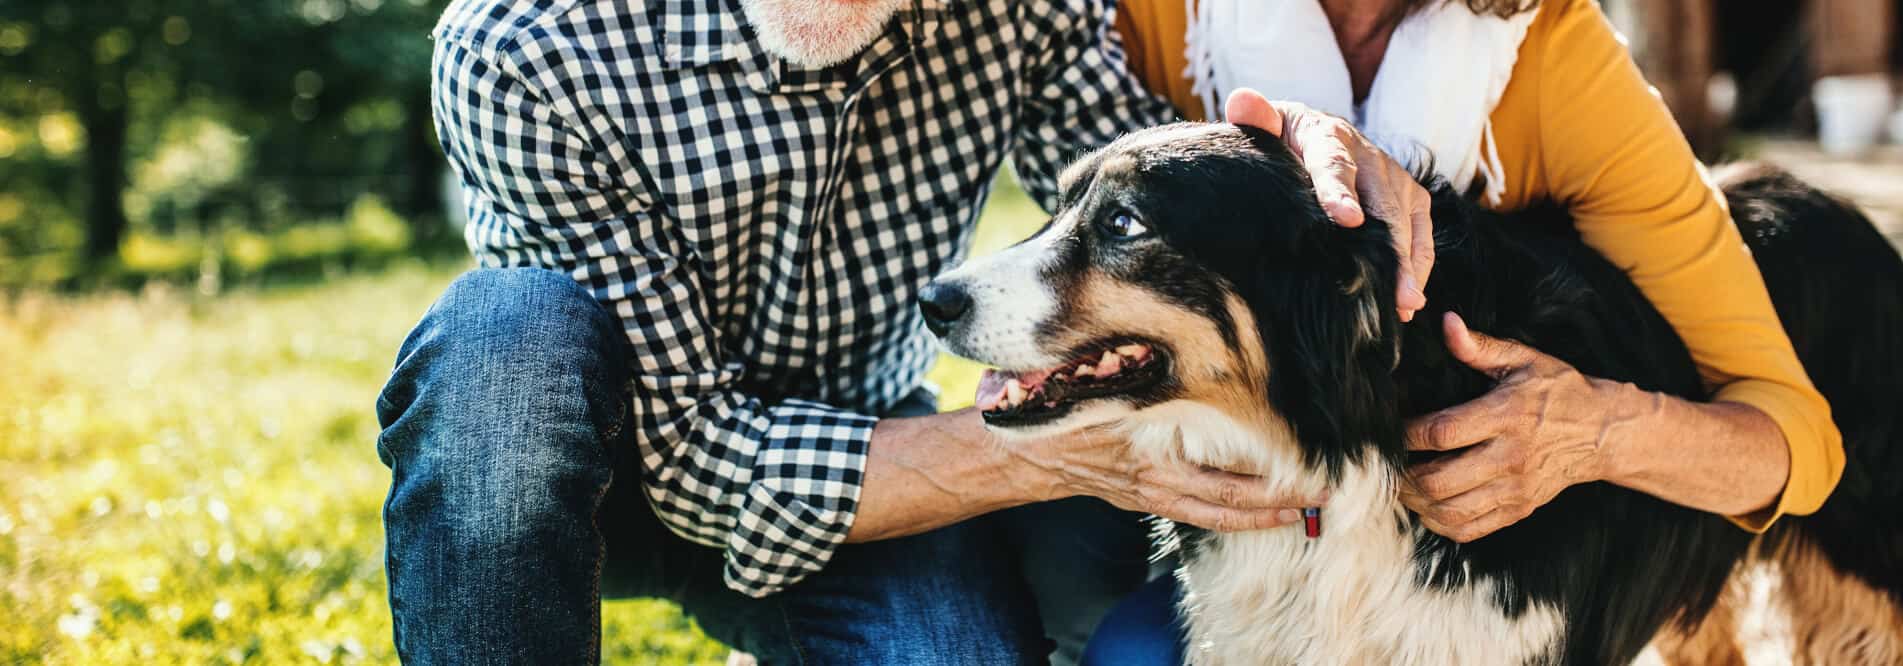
(803, 497)
(1816, 447)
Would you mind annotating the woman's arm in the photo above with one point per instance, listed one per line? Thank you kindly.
(1580, 125)
(1613, 154)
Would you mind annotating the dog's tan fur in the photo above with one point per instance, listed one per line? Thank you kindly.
(1210, 371)
(1788, 605)
(1106, 307)
(1836, 619)
(1717, 640)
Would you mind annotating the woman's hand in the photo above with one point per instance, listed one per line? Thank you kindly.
(1542, 428)
(1350, 173)
(1545, 427)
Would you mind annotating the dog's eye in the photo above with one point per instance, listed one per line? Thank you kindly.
(1124, 225)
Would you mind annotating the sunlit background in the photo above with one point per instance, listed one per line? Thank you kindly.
(219, 217)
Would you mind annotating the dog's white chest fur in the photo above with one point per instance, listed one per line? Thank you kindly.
(1349, 597)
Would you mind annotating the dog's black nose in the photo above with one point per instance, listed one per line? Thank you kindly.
(942, 305)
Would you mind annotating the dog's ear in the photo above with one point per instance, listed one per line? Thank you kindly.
(1322, 294)
(1331, 334)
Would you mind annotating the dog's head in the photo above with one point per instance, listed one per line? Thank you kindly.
(1186, 265)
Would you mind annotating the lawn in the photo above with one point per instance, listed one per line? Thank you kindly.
(191, 478)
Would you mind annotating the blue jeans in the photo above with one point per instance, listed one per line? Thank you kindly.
(515, 507)
(1143, 630)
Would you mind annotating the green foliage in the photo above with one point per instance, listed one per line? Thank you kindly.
(173, 117)
(193, 479)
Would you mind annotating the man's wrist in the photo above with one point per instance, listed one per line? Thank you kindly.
(979, 468)
(1017, 478)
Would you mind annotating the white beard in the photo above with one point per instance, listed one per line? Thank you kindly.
(818, 33)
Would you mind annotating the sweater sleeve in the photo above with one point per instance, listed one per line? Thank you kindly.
(1153, 42)
(1611, 152)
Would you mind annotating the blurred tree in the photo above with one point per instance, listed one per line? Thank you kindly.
(76, 56)
(344, 107)
(329, 98)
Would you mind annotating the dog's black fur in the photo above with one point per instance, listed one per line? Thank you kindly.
(1618, 564)
(1835, 285)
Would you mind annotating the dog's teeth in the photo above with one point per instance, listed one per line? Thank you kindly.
(1110, 364)
(1086, 370)
(1060, 376)
(1133, 352)
(1014, 393)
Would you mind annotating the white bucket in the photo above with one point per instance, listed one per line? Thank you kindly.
(1851, 112)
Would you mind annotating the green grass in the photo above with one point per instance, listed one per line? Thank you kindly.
(192, 479)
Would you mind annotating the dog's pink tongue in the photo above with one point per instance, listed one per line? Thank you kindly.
(991, 389)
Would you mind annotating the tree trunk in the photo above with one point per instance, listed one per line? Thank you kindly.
(106, 123)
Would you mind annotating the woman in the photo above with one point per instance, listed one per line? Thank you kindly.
(1522, 102)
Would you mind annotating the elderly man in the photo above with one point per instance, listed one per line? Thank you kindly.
(690, 365)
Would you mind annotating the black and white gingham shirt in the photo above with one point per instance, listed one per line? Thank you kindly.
(761, 229)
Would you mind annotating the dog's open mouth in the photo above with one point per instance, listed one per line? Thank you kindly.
(1099, 370)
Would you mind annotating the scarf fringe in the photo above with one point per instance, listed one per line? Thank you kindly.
(1200, 58)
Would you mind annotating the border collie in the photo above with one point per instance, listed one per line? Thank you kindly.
(1190, 294)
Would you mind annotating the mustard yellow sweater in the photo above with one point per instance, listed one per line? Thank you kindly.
(1579, 125)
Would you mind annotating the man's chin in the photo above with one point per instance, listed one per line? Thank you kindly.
(818, 33)
(814, 56)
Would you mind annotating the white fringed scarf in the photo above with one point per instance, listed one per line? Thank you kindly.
(1439, 82)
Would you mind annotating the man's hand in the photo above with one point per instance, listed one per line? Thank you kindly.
(927, 472)
(1348, 170)
(1542, 428)
(1099, 465)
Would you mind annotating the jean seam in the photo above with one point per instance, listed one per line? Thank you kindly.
(609, 452)
(389, 568)
(786, 621)
(601, 555)
(620, 421)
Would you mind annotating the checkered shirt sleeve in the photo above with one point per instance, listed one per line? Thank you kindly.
(1088, 98)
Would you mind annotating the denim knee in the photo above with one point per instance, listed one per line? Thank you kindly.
(515, 375)
(498, 422)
